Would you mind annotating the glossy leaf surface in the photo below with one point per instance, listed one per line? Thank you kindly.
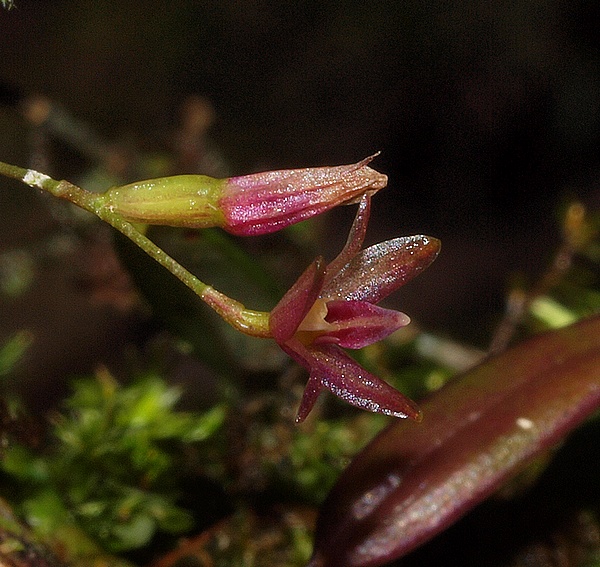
(414, 479)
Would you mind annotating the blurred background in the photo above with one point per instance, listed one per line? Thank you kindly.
(487, 116)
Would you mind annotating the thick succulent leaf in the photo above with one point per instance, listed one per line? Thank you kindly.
(287, 315)
(382, 268)
(356, 324)
(414, 480)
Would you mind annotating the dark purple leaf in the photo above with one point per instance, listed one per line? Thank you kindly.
(415, 479)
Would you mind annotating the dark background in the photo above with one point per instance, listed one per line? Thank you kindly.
(487, 115)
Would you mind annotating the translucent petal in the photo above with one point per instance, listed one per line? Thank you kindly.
(379, 270)
(355, 239)
(311, 393)
(345, 378)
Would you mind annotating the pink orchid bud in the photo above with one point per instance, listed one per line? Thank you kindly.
(247, 205)
(269, 201)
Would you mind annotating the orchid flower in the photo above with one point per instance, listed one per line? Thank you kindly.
(331, 307)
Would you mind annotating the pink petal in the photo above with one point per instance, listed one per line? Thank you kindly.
(355, 239)
(381, 269)
(287, 315)
(345, 378)
(359, 323)
(304, 357)
(311, 392)
(331, 368)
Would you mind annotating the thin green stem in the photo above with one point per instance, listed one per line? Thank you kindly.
(255, 323)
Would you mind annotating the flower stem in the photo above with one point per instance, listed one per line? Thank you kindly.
(254, 323)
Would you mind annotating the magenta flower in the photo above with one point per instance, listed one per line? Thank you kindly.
(334, 307)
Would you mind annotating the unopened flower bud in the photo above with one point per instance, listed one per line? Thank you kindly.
(181, 200)
(247, 205)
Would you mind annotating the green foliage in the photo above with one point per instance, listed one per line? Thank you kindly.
(254, 540)
(12, 350)
(8, 4)
(17, 272)
(115, 464)
(316, 459)
(303, 464)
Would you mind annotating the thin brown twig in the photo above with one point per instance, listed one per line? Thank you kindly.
(576, 234)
